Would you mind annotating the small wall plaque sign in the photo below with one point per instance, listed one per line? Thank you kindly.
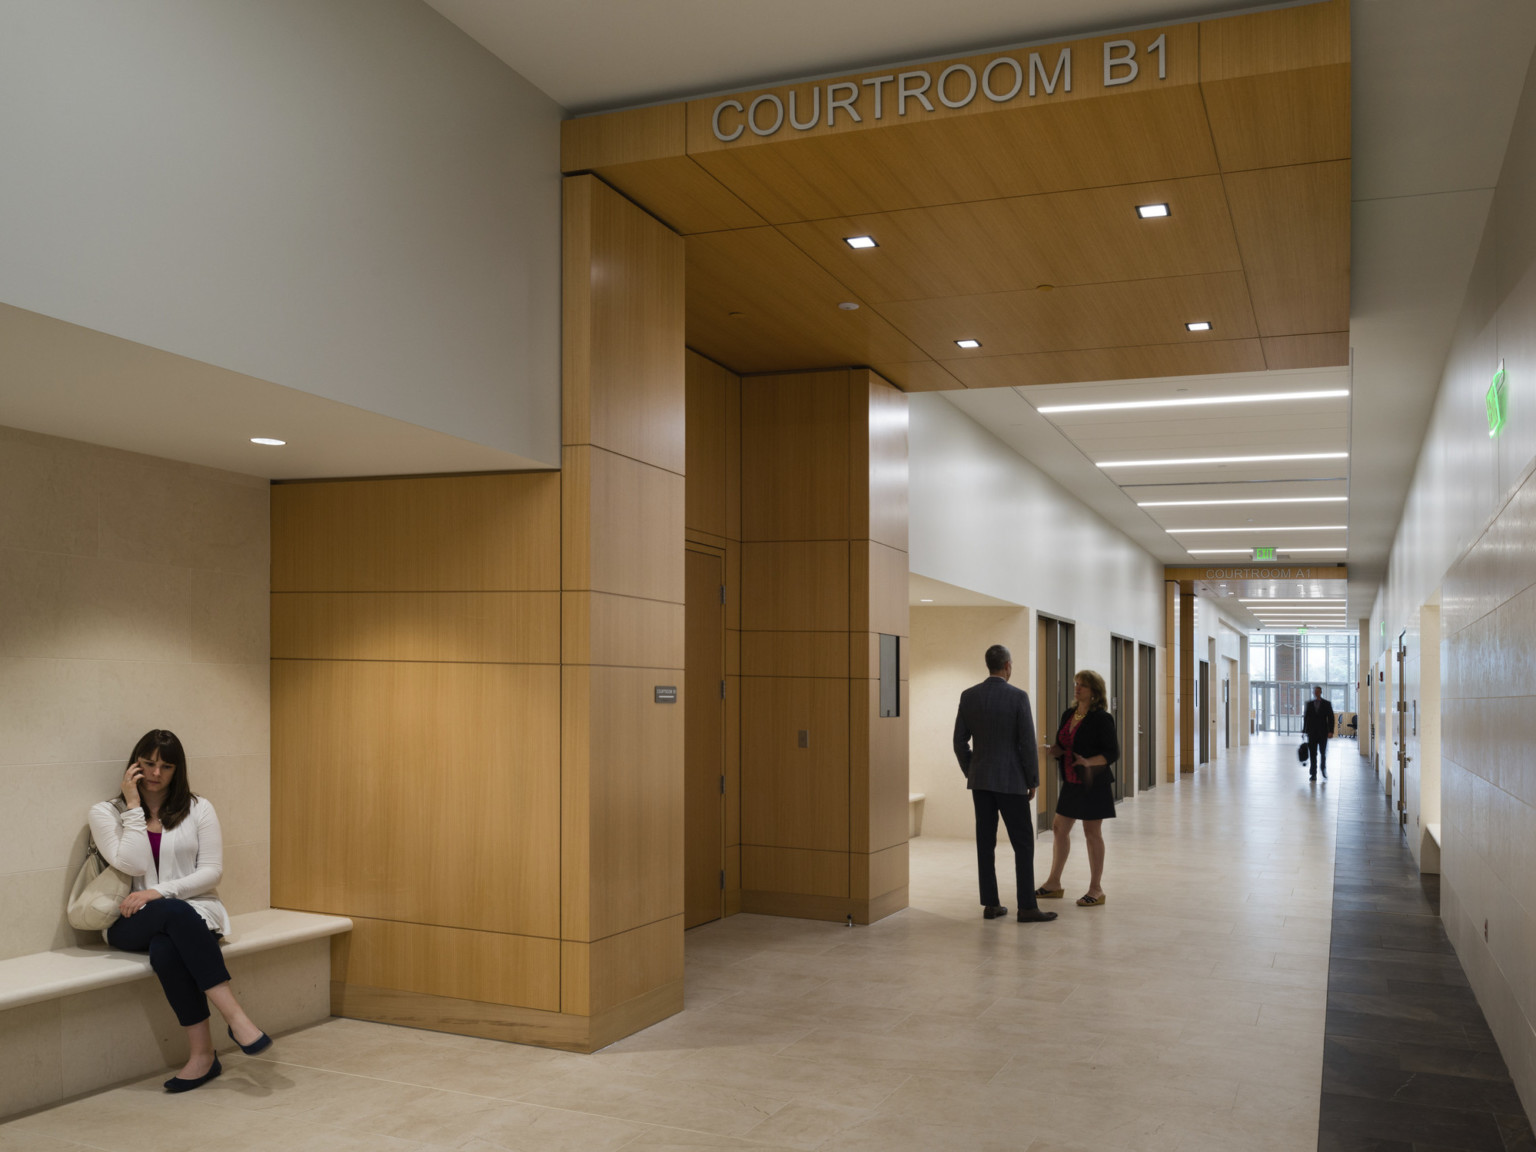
(666, 694)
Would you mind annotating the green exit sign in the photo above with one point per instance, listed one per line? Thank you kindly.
(1495, 401)
(1263, 553)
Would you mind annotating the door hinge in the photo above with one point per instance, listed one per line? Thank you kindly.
(722, 785)
(722, 593)
(722, 879)
(722, 689)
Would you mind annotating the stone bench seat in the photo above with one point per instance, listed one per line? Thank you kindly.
(66, 971)
(78, 1019)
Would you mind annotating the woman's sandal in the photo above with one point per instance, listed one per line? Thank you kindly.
(1091, 901)
(1050, 893)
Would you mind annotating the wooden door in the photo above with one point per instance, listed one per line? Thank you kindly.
(1146, 718)
(704, 741)
(1202, 705)
(1122, 676)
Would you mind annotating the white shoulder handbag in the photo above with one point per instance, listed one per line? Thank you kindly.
(98, 892)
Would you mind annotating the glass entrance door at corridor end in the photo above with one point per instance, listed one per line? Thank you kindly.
(1284, 668)
(1055, 667)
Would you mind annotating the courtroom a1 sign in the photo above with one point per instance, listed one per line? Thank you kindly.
(1310, 573)
(1002, 81)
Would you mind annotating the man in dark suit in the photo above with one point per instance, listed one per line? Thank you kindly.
(1317, 726)
(995, 744)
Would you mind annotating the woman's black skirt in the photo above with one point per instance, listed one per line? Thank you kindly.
(1094, 801)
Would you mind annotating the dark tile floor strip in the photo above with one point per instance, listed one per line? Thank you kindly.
(1409, 1064)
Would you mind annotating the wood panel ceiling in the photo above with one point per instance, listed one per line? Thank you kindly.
(1014, 222)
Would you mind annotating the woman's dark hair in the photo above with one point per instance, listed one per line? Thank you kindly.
(179, 796)
(1095, 685)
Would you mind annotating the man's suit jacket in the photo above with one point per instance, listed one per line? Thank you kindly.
(1317, 719)
(995, 738)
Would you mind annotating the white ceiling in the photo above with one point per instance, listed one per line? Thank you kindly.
(594, 55)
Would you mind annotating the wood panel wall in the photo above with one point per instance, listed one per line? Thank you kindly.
(467, 755)
(713, 519)
(823, 574)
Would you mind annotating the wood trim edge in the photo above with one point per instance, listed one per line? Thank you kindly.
(507, 1022)
(835, 908)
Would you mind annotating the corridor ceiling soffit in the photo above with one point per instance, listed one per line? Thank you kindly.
(65, 380)
(582, 53)
(1212, 513)
(1266, 470)
(1274, 599)
(1012, 220)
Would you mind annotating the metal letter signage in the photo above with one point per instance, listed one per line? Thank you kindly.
(1002, 80)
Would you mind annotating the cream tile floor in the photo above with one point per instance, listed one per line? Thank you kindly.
(1186, 1014)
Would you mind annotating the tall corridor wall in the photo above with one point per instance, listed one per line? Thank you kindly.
(1468, 532)
(349, 198)
(984, 518)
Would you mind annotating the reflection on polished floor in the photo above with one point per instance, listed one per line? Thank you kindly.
(1186, 1014)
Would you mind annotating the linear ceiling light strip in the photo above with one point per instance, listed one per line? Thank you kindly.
(1196, 460)
(1256, 398)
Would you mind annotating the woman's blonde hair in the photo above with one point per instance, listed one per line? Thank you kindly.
(1095, 684)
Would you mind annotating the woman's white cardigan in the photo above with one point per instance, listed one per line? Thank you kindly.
(191, 855)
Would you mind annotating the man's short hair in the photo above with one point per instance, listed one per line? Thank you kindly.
(998, 658)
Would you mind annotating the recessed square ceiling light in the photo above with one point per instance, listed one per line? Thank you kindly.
(1151, 211)
(968, 343)
(860, 241)
(1199, 325)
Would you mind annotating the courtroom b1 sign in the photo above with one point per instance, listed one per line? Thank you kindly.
(1004, 79)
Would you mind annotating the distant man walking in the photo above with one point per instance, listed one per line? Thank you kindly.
(995, 744)
(1317, 726)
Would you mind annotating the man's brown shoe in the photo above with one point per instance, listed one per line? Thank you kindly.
(1035, 916)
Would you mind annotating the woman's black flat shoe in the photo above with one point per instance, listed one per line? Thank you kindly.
(260, 1044)
(177, 1084)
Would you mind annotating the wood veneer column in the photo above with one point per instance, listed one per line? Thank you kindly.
(824, 573)
(622, 592)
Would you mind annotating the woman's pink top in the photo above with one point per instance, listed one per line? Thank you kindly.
(1068, 763)
(154, 848)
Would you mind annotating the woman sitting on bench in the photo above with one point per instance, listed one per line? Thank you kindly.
(168, 841)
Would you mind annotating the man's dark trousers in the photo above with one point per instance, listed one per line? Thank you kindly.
(1017, 814)
(1316, 748)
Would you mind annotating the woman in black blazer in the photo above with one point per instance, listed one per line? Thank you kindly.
(1086, 745)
